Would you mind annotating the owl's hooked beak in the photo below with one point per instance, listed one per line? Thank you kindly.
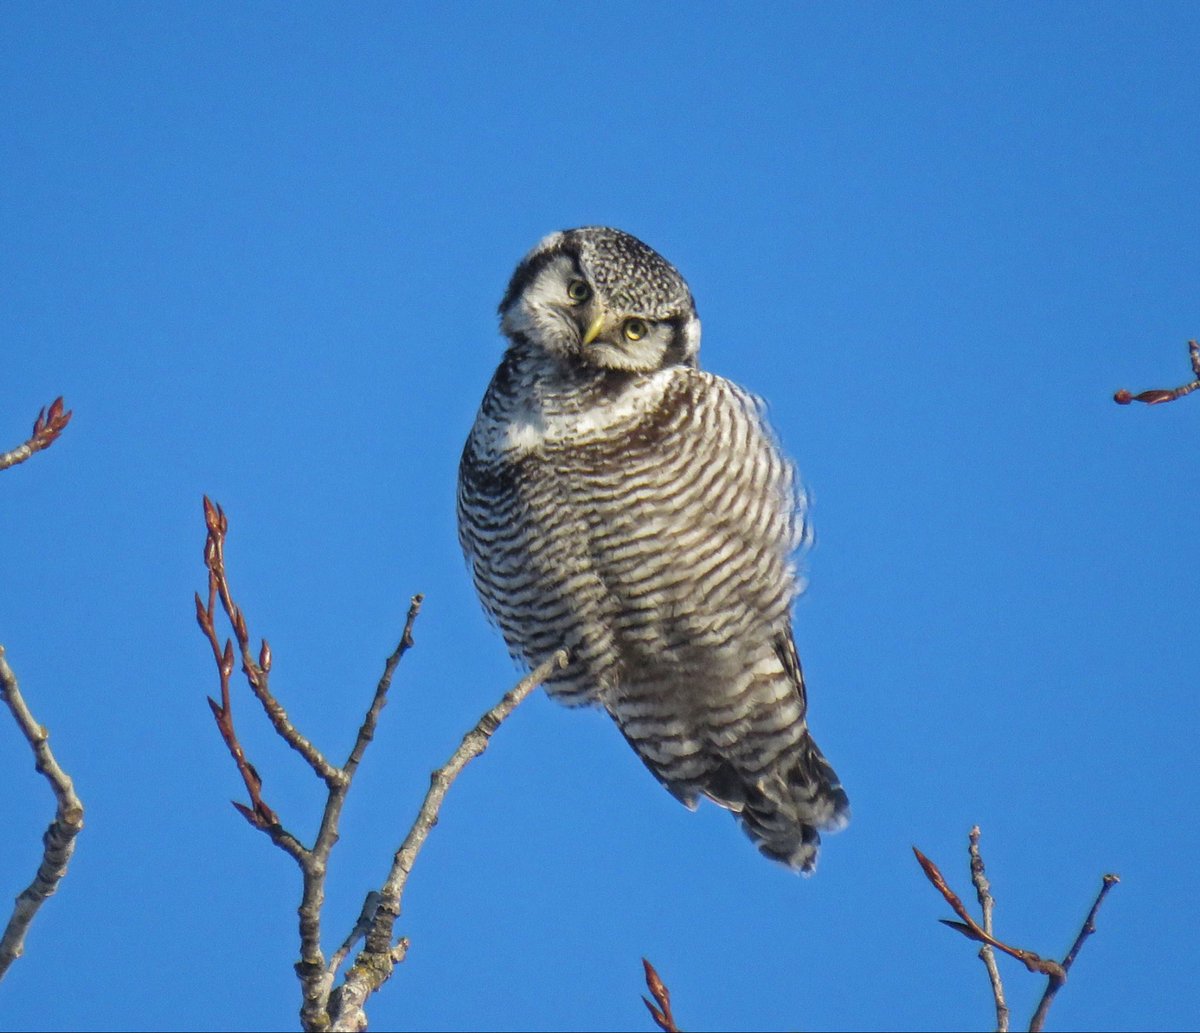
(593, 331)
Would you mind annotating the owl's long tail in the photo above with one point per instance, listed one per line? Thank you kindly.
(783, 807)
(747, 749)
(785, 810)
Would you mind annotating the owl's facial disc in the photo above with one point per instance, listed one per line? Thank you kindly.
(603, 299)
(552, 308)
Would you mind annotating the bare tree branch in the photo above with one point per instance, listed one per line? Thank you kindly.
(1159, 395)
(58, 841)
(323, 1007)
(1055, 973)
(1089, 927)
(660, 1007)
(258, 671)
(316, 977)
(974, 931)
(59, 838)
(46, 429)
(375, 962)
(983, 892)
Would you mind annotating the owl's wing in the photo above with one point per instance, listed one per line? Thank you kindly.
(697, 540)
(785, 649)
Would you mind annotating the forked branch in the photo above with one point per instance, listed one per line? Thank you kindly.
(256, 669)
(379, 956)
(1089, 927)
(1054, 971)
(324, 1007)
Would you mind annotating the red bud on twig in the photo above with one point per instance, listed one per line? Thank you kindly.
(660, 1010)
(248, 814)
(1160, 395)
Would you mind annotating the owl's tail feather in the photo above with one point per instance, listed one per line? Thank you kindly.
(784, 809)
(754, 757)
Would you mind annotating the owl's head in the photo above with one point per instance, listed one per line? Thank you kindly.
(602, 298)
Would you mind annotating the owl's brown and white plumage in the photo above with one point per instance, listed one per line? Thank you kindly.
(617, 501)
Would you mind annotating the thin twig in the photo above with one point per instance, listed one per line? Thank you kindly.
(258, 670)
(46, 429)
(323, 1007)
(1089, 927)
(974, 931)
(983, 892)
(259, 814)
(472, 745)
(367, 732)
(660, 1007)
(316, 982)
(374, 964)
(1055, 972)
(1160, 395)
(59, 839)
(316, 977)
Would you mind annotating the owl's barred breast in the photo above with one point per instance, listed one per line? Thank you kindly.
(643, 521)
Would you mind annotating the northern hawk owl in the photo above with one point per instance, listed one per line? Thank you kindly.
(617, 501)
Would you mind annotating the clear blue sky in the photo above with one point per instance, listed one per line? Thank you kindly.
(259, 249)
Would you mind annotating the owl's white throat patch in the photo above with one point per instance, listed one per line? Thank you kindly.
(541, 419)
(526, 430)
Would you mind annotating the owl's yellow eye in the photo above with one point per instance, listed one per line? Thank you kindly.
(635, 329)
(578, 291)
